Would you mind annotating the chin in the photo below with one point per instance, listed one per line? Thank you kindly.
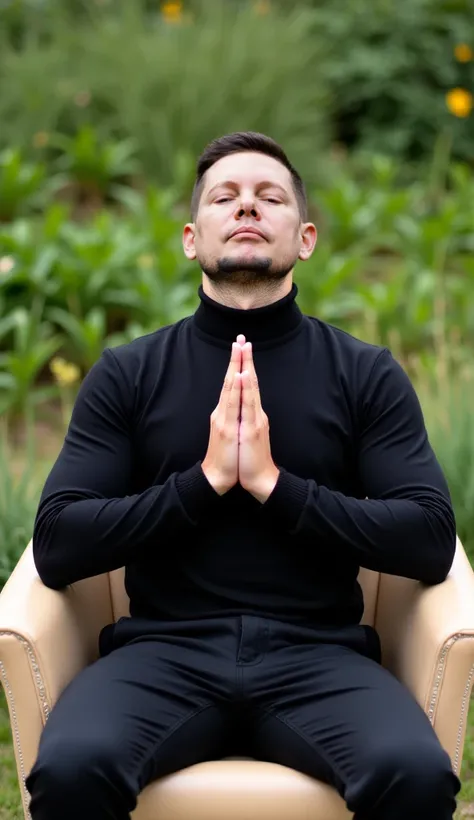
(245, 261)
(246, 268)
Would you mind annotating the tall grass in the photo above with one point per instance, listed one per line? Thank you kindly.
(448, 402)
(171, 88)
(20, 488)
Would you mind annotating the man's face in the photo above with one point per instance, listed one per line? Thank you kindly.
(248, 228)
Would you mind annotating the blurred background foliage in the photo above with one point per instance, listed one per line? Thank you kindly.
(105, 106)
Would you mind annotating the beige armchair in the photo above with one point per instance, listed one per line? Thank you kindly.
(47, 637)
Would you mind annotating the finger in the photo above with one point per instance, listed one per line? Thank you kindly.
(235, 358)
(248, 364)
(234, 367)
(247, 358)
(233, 400)
(241, 339)
(248, 399)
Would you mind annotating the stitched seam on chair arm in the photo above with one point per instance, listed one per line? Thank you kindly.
(35, 667)
(38, 683)
(16, 739)
(435, 692)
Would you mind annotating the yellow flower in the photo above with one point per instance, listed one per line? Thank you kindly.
(65, 373)
(463, 53)
(146, 261)
(262, 7)
(459, 102)
(172, 11)
(40, 139)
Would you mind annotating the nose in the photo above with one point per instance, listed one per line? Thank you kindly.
(247, 207)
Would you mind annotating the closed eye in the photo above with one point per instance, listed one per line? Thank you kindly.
(270, 199)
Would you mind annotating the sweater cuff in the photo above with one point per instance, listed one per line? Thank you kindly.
(287, 501)
(195, 492)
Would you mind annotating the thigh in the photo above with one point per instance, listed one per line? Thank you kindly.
(335, 715)
(138, 713)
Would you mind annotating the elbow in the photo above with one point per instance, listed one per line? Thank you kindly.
(52, 580)
(445, 561)
(50, 571)
(436, 574)
(442, 539)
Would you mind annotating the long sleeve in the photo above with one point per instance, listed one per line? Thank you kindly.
(403, 524)
(87, 522)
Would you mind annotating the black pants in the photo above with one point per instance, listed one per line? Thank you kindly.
(320, 703)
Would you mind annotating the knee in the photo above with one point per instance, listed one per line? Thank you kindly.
(422, 769)
(413, 777)
(72, 771)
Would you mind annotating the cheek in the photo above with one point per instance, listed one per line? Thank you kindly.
(206, 242)
(286, 233)
(209, 230)
(283, 221)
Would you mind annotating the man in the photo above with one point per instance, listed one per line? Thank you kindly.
(242, 464)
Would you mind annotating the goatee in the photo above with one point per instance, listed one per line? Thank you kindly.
(261, 270)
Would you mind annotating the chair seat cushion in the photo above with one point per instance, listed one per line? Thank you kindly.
(239, 789)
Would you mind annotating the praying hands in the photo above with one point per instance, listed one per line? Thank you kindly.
(239, 443)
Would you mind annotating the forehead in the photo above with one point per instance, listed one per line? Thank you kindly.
(248, 168)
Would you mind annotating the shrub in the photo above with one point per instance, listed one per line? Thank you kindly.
(169, 88)
(385, 76)
(390, 68)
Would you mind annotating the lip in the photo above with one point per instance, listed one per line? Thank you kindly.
(248, 230)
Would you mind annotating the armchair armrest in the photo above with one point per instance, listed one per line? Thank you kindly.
(427, 636)
(46, 638)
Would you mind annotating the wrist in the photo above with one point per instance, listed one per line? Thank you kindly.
(197, 496)
(215, 480)
(265, 486)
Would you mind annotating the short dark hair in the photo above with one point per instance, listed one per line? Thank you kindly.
(245, 141)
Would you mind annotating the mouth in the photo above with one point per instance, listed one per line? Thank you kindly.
(248, 233)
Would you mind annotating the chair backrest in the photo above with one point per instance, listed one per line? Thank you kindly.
(368, 580)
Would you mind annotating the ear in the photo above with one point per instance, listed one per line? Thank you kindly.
(189, 233)
(309, 237)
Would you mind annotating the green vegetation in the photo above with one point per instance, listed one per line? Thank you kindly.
(104, 107)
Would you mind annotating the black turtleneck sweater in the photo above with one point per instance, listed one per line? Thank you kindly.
(359, 483)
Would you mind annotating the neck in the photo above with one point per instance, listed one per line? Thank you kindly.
(263, 325)
(247, 297)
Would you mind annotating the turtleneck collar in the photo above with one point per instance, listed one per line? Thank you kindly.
(263, 326)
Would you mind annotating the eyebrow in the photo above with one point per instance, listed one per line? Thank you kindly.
(229, 183)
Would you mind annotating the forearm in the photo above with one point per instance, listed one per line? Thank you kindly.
(78, 537)
(413, 537)
(401, 521)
